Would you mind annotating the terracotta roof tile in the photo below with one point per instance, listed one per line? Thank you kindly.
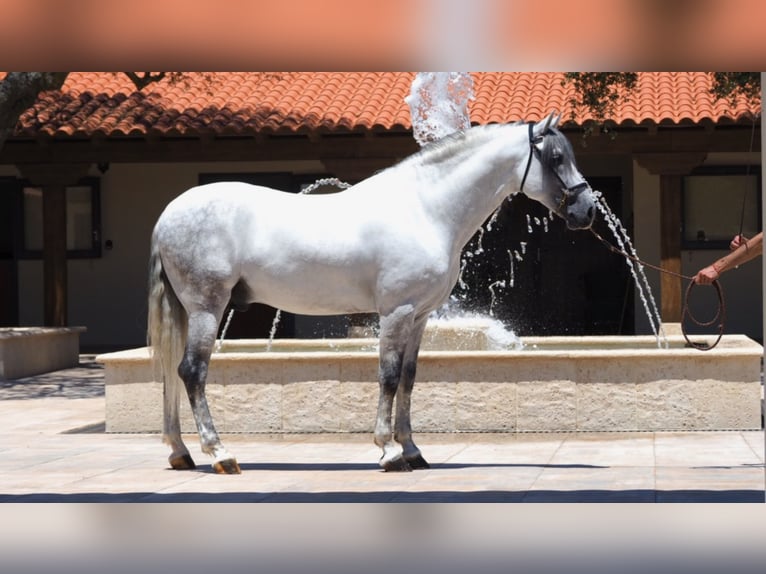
(244, 103)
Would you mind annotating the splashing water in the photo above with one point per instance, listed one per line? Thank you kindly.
(460, 281)
(223, 332)
(492, 220)
(497, 335)
(323, 182)
(438, 103)
(274, 325)
(501, 285)
(511, 274)
(480, 248)
(636, 268)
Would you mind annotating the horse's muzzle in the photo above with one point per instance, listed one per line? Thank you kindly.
(580, 210)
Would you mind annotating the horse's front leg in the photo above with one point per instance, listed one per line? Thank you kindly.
(403, 428)
(395, 329)
(193, 371)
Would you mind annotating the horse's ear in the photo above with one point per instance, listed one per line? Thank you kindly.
(542, 127)
(555, 120)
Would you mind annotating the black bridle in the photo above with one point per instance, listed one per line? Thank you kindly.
(567, 190)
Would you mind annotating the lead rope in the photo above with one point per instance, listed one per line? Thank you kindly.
(686, 312)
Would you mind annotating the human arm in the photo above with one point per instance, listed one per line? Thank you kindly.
(743, 250)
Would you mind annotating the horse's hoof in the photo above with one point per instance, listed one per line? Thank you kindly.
(183, 462)
(418, 462)
(227, 466)
(396, 465)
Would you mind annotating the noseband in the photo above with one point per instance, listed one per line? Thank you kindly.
(568, 190)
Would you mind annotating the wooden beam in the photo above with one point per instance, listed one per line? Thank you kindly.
(670, 163)
(277, 148)
(670, 248)
(264, 147)
(54, 256)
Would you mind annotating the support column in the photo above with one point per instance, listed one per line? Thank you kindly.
(53, 180)
(671, 167)
(54, 256)
(670, 248)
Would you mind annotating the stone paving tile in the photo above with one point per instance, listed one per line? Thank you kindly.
(517, 453)
(755, 439)
(703, 449)
(53, 415)
(611, 450)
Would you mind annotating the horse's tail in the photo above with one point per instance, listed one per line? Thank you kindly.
(166, 337)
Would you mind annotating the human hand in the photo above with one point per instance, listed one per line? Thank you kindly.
(707, 275)
(736, 242)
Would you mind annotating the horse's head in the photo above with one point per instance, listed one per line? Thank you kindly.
(561, 187)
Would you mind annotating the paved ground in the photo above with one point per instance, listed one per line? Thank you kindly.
(54, 449)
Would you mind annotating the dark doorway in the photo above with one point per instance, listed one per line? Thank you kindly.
(9, 299)
(547, 279)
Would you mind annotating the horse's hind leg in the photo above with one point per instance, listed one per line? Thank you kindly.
(193, 369)
(180, 458)
(403, 428)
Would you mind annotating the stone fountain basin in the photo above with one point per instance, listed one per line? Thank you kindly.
(27, 351)
(553, 384)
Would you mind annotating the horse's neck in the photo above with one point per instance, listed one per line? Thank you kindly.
(469, 186)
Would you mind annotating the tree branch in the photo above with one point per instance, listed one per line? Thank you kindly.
(143, 79)
(18, 92)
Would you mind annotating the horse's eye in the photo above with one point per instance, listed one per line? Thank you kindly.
(556, 158)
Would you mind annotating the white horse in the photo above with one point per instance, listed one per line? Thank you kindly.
(390, 244)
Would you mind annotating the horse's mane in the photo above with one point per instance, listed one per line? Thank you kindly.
(437, 151)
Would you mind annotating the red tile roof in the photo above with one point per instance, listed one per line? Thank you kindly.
(242, 103)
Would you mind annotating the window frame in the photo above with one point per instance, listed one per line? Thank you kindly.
(94, 252)
(736, 170)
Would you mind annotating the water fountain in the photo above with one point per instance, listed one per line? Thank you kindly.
(473, 376)
(26, 351)
(538, 384)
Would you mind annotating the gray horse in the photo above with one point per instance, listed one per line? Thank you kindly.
(390, 245)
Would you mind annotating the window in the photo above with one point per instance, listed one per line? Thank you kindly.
(83, 220)
(717, 203)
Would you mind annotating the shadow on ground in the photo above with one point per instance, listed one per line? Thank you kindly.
(83, 382)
